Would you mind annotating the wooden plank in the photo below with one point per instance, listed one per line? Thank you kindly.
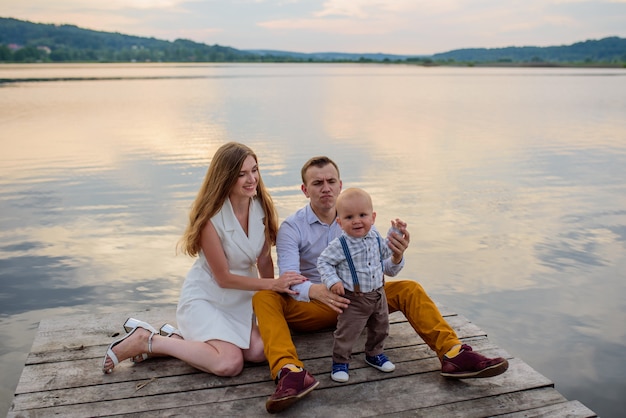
(64, 370)
(68, 338)
(368, 393)
(570, 409)
(166, 372)
(63, 377)
(488, 406)
(421, 390)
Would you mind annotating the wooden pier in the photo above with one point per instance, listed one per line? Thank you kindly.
(63, 377)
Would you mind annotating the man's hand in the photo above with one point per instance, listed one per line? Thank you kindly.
(399, 242)
(318, 291)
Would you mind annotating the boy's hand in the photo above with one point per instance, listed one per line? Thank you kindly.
(338, 289)
(398, 242)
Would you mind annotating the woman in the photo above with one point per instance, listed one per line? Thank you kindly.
(232, 227)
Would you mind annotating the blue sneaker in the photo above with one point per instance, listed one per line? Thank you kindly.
(340, 372)
(380, 362)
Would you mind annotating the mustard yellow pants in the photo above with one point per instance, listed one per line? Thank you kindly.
(278, 313)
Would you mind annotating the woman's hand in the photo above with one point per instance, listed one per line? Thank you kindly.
(285, 281)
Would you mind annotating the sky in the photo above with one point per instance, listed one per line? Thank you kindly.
(408, 27)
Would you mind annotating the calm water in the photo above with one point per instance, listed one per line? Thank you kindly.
(512, 181)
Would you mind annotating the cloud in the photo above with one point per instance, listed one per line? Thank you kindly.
(83, 6)
(364, 9)
(345, 8)
(398, 26)
(348, 17)
(337, 26)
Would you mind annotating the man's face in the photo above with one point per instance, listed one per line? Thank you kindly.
(322, 187)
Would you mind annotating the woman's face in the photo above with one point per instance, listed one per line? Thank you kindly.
(248, 179)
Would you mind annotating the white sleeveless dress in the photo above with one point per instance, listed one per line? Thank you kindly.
(205, 310)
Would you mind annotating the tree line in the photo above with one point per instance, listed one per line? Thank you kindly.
(22, 41)
(27, 42)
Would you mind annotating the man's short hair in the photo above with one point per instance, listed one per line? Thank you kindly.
(319, 162)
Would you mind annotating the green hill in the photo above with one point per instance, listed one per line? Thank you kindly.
(607, 50)
(29, 42)
(22, 41)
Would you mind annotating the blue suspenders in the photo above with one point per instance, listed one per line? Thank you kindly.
(346, 251)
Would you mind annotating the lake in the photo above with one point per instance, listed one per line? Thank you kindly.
(512, 182)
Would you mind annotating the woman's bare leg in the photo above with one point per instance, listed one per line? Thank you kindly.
(255, 353)
(218, 357)
(145, 356)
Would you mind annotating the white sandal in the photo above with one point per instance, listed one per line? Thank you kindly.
(168, 330)
(110, 354)
(131, 324)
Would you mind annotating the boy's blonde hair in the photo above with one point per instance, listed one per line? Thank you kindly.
(352, 193)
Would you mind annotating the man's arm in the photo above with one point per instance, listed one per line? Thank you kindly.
(288, 257)
(288, 247)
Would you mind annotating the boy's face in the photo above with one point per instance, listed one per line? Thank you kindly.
(355, 216)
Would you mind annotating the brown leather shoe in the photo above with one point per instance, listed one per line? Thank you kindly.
(469, 363)
(291, 387)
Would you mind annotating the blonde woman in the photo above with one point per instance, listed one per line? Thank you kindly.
(232, 227)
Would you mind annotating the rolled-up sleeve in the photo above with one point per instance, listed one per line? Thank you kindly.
(288, 248)
(327, 264)
(303, 291)
(392, 269)
(288, 254)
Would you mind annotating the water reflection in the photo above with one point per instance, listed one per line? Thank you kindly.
(511, 181)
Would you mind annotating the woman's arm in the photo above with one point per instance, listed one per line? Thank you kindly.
(266, 263)
(214, 254)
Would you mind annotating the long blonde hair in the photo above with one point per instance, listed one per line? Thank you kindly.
(219, 180)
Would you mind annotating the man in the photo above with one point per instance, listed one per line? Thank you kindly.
(301, 239)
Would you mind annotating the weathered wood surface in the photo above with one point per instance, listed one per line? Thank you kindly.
(63, 377)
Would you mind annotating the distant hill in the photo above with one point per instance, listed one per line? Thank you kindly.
(607, 50)
(611, 50)
(29, 42)
(333, 56)
(22, 41)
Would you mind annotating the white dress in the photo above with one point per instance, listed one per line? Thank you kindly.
(205, 310)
